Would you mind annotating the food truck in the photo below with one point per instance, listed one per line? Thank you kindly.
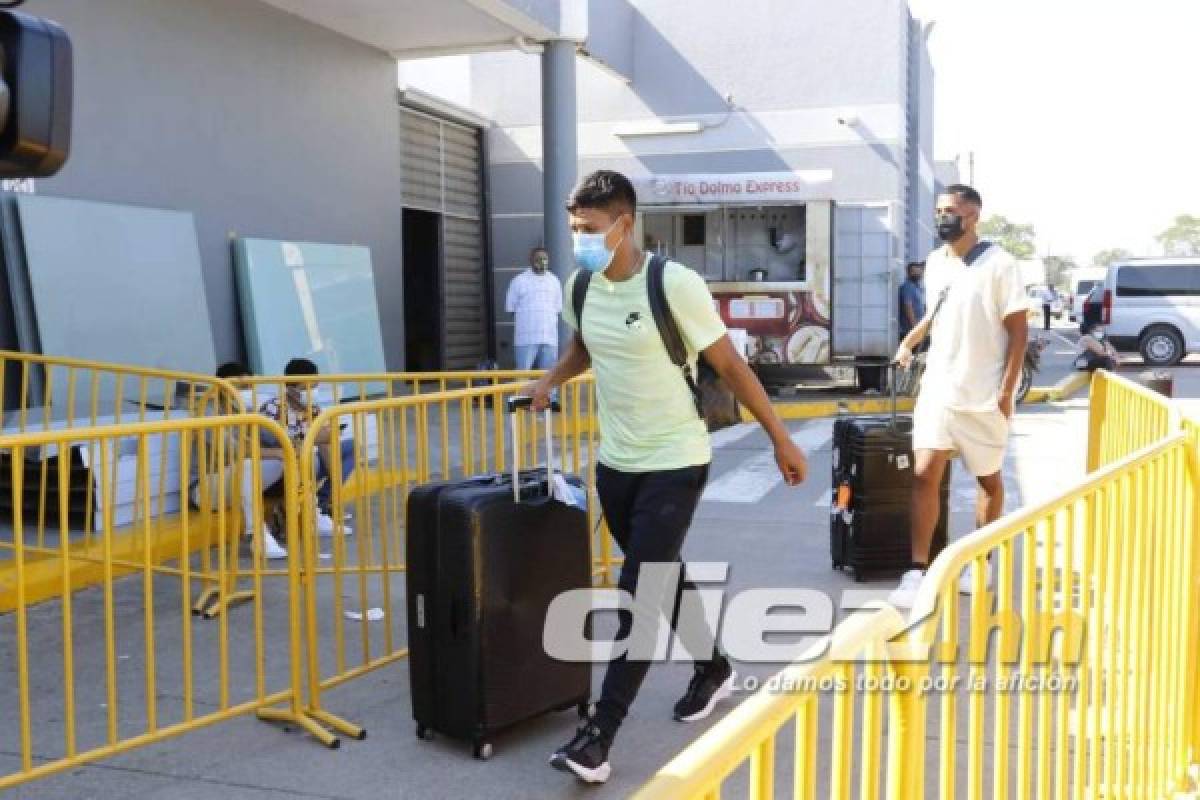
(806, 286)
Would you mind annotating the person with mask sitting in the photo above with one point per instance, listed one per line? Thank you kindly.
(1095, 351)
(295, 411)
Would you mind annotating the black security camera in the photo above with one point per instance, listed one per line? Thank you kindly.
(35, 96)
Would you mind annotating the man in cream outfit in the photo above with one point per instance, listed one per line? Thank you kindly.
(978, 327)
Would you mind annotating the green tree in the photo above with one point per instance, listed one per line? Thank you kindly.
(1058, 269)
(1182, 238)
(1106, 257)
(1014, 237)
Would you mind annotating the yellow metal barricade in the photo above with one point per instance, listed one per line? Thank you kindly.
(44, 394)
(1124, 417)
(1070, 671)
(338, 388)
(94, 673)
(310, 395)
(438, 421)
(355, 594)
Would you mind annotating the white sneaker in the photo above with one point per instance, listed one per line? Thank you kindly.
(272, 549)
(966, 581)
(905, 595)
(325, 525)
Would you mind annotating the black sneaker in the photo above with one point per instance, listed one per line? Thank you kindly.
(586, 755)
(710, 685)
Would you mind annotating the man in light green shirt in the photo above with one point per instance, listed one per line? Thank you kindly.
(654, 446)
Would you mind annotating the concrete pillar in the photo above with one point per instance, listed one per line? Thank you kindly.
(559, 151)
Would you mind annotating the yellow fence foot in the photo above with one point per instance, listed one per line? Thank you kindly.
(235, 599)
(338, 724)
(287, 716)
(206, 598)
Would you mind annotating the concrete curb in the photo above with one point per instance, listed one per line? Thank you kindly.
(829, 408)
(1059, 391)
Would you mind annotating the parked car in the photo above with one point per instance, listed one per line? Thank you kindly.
(1082, 282)
(1152, 306)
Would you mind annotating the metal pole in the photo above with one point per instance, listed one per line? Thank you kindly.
(559, 154)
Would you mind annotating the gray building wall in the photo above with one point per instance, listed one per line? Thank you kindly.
(258, 122)
(768, 80)
(922, 235)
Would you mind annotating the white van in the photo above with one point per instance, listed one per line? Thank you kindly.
(1082, 281)
(1152, 306)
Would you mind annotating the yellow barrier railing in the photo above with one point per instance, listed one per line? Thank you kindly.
(49, 393)
(1124, 417)
(311, 394)
(182, 505)
(418, 439)
(44, 394)
(107, 671)
(1071, 671)
(338, 388)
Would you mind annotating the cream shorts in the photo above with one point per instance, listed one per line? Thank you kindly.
(978, 437)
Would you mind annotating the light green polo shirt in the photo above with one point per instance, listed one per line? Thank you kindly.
(648, 419)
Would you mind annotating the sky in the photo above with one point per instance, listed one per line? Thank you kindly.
(1084, 117)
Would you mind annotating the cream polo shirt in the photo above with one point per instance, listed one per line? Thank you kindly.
(968, 343)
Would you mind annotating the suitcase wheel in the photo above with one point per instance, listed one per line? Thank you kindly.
(424, 732)
(483, 750)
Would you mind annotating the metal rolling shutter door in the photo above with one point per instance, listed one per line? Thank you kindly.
(442, 174)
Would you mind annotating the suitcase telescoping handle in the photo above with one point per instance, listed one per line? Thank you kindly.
(893, 370)
(512, 405)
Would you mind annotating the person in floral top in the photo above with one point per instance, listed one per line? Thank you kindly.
(295, 411)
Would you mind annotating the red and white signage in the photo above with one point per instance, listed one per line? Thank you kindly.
(749, 188)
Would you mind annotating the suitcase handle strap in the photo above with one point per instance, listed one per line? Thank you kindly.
(512, 405)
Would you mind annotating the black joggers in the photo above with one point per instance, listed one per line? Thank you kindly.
(648, 514)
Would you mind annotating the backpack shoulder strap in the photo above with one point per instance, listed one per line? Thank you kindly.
(583, 279)
(664, 320)
(668, 328)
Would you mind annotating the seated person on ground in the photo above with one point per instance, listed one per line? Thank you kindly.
(270, 473)
(295, 412)
(1095, 351)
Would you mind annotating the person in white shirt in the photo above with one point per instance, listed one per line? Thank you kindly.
(979, 328)
(1047, 295)
(535, 299)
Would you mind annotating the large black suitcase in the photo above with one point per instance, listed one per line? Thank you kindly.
(870, 526)
(483, 569)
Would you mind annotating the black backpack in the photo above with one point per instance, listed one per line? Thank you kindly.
(715, 403)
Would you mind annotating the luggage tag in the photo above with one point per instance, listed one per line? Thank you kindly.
(567, 494)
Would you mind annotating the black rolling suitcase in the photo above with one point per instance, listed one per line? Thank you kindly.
(869, 521)
(485, 561)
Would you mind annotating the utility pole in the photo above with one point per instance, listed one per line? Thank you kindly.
(971, 168)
